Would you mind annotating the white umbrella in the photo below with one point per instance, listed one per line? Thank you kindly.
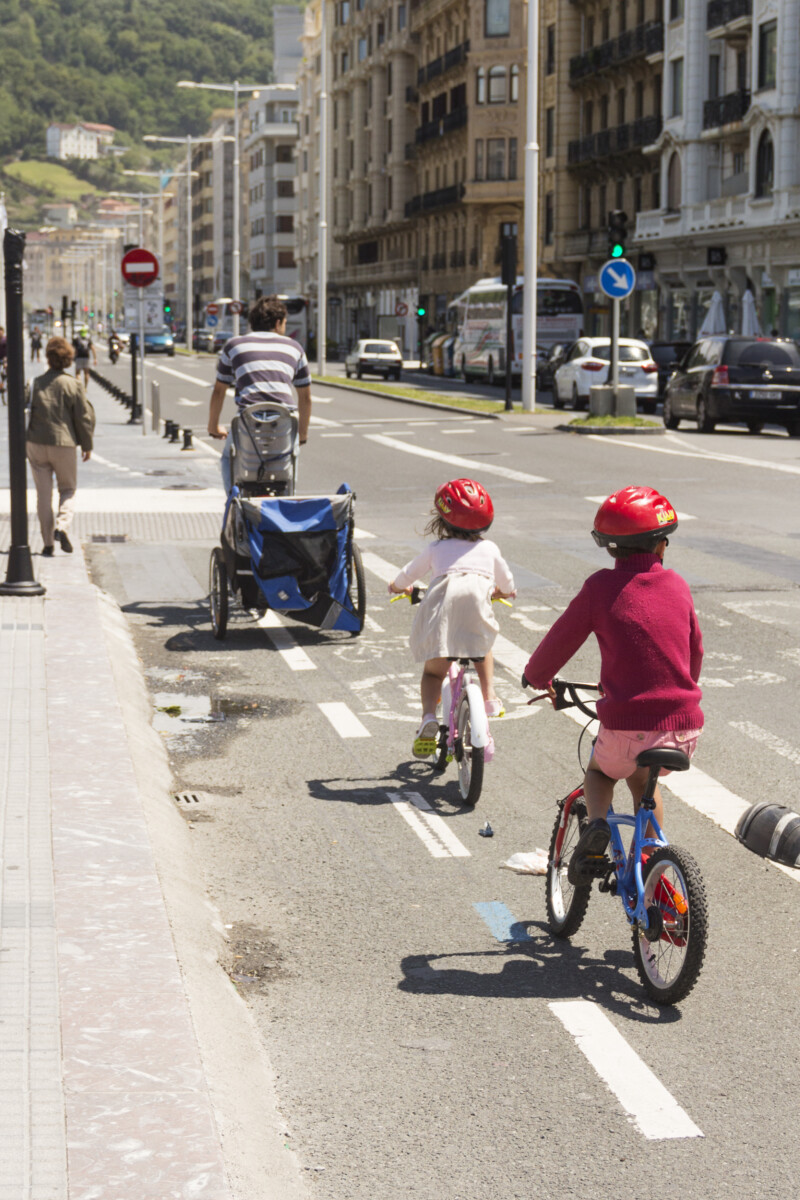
(715, 318)
(750, 325)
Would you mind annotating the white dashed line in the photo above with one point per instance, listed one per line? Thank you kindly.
(329, 435)
(771, 740)
(343, 720)
(454, 460)
(293, 655)
(708, 456)
(655, 1112)
(412, 817)
(438, 826)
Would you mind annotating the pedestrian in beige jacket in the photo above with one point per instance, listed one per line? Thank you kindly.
(61, 419)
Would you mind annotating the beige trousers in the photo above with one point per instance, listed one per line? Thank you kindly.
(45, 461)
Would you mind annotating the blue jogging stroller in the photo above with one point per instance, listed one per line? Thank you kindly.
(294, 554)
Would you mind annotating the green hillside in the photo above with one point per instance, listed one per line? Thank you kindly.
(117, 62)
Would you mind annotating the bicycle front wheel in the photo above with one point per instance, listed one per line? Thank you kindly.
(675, 897)
(566, 904)
(470, 762)
(218, 594)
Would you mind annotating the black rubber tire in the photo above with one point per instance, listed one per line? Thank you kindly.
(470, 768)
(441, 752)
(755, 426)
(793, 429)
(649, 406)
(566, 905)
(490, 379)
(704, 422)
(465, 375)
(577, 403)
(557, 401)
(396, 376)
(687, 933)
(218, 594)
(359, 372)
(358, 578)
(669, 418)
(347, 372)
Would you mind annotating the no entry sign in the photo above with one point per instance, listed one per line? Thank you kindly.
(212, 309)
(139, 267)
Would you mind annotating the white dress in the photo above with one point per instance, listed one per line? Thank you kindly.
(455, 618)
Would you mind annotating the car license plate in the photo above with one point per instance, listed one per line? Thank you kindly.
(628, 371)
(765, 394)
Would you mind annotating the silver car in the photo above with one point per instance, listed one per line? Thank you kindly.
(371, 356)
(588, 364)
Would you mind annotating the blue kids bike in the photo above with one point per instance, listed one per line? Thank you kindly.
(660, 886)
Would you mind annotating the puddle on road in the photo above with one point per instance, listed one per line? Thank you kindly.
(181, 714)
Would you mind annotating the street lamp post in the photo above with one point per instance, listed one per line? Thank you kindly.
(322, 236)
(235, 88)
(531, 214)
(159, 175)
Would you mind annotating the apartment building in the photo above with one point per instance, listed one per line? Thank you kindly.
(212, 212)
(727, 212)
(81, 263)
(270, 149)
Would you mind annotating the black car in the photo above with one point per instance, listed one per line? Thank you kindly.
(546, 368)
(754, 380)
(667, 356)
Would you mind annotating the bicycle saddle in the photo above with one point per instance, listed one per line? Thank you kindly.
(671, 760)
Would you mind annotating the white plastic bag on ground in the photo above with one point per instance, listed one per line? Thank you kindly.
(532, 863)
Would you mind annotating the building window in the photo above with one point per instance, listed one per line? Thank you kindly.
(284, 224)
(345, 61)
(283, 154)
(401, 17)
(713, 77)
(765, 165)
(623, 16)
(498, 17)
(286, 260)
(549, 218)
(767, 54)
(675, 10)
(637, 194)
(604, 112)
(362, 49)
(676, 67)
(620, 195)
(605, 26)
(674, 183)
(550, 54)
(587, 209)
(495, 158)
(381, 33)
(480, 86)
(512, 158)
(389, 79)
(549, 132)
(514, 92)
(285, 188)
(655, 189)
(498, 91)
(479, 159)
(621, 106)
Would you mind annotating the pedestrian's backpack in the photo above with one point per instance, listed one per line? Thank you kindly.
(82, 346)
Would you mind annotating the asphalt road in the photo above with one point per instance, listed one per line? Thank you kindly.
(414, 1006)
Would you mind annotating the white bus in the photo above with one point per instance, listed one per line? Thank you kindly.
(480, 348)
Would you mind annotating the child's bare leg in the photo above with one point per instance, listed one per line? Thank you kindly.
(637, 783)
(485, 673)
(598, 790)
(430, 687)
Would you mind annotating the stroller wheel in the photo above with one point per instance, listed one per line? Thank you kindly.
(358, 579)
(218, 593)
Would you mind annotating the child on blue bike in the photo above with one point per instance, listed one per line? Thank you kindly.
(651, 651)
(455, 618)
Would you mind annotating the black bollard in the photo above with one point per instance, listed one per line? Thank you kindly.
(187, 440)
(167, 427)
(19, 575)
(136, 411)
(175, 432)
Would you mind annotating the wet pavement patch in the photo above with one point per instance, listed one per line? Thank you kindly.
(180, 713)
(251, 958)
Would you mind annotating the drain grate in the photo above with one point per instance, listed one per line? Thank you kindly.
(108, 537)
(189, 799)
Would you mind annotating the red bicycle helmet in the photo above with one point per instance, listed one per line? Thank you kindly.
(636, 516)
(464, 504)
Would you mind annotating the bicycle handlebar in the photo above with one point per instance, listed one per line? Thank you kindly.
(566, 695)
(416, 594)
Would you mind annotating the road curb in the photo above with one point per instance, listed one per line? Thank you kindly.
(473, 412)
(611, 430)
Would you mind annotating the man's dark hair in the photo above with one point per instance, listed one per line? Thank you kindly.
(266, 313)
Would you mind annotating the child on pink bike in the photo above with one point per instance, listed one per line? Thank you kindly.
(651, 651)
(455, 618)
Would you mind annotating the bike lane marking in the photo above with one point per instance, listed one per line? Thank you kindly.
(439, 826)
(708, 455)
(293, 655)
(502, 923)
(410, 814)
(343, 719)
(454, 460)
(654, 1111)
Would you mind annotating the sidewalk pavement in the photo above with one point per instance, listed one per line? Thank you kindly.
(104, 1092)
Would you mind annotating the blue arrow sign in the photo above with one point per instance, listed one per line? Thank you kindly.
(617, 278)
(211, 320)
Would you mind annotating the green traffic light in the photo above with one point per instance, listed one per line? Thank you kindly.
(617, 251)
(420, 312)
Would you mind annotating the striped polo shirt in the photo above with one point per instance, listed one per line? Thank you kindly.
(263, 366)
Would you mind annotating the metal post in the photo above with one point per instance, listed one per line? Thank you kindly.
(322, 236)
(155, 404)
(509, 340)
(133, 377)
(235, 282)
(19, 574)
(189, 297)
(614, 372)
(531, 213)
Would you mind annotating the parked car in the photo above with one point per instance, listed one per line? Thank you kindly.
(221, 336)
(373, 357)
(203, 339)
(160, 343)
(667, 356)
(548, 362)
(754, 380)
(588, 364)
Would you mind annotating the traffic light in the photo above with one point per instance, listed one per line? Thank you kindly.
(167, 308)
(420, 310)
(617, 233)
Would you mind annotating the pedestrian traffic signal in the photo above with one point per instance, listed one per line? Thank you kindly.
(167, 308)
(617, 233)
(420, 310)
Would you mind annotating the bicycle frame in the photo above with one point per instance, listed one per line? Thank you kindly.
(628, 867)
(453, 688)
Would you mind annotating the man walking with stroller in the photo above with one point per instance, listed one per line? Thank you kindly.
(261, 365)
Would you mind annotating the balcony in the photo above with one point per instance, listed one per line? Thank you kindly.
(439, 262)
(455, 120)
(386, 272)
(609, 142)
(585, 242)
(442, 125)
(438, 199)
(457, 258)
(643, 40)
(444, 63)
(725, 12)
(725, 110)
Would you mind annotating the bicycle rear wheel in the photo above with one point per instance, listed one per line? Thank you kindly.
(218, 594)
(358, 577)
(669, 965)
(470, 762)
(566, 905)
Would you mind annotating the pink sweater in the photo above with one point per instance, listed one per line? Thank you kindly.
(650, 645)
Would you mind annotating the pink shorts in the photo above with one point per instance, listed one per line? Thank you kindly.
(615, 749)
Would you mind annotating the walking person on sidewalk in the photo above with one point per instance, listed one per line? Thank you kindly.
(262, 365)
(36, 344)
(83, 347)
(61, 419)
